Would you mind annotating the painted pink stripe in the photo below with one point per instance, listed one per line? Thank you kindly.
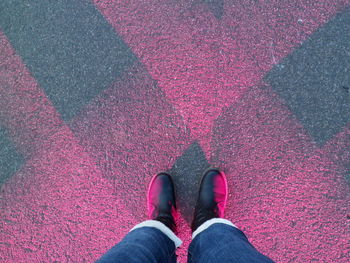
(338, 149)
(185, 235)
(133, 133)
(203, 64)
(58, 207)
(291, 201)
(188, 65)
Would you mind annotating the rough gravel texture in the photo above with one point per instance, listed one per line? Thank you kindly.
(98, 96)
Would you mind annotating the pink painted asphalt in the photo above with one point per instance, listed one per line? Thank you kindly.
(131, 130)
(57, 207)
(281, 183)
(84, 183)
(212, 62)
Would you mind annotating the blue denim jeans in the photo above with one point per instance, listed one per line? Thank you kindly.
(217, 243)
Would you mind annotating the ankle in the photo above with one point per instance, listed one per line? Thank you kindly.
(201, 217)
(168, 221)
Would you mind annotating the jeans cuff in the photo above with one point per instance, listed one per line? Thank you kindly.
(161, 227)
(210, 222)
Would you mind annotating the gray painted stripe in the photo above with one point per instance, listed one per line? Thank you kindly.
(216, 6)
(315, 79)
(187, 172)
(10, 159)
(68, 46)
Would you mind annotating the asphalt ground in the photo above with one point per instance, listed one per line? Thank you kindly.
(98, 96)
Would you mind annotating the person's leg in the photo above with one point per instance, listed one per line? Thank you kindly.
(214, 238)
(218, 240)
(150, 241)
(153, 240)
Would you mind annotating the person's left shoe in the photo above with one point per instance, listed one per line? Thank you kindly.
(161, 200)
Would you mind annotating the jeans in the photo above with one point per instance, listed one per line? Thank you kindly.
(217, 242)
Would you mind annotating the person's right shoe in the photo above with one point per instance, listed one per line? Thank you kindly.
(212, 197)
(161, 200)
